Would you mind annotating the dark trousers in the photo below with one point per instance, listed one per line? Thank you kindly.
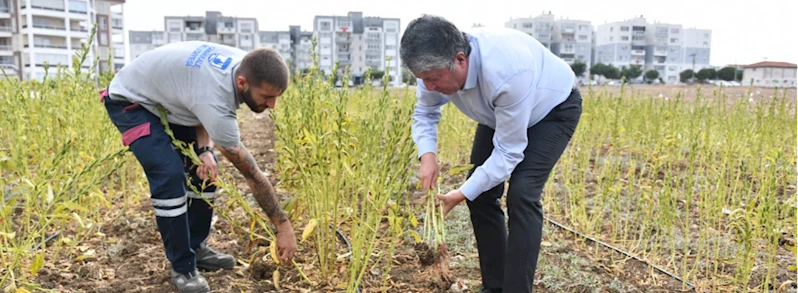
(509, 262)
(183, 217)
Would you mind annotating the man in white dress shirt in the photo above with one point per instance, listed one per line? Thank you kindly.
(527, 108)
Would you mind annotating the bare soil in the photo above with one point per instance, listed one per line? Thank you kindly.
(129, 255)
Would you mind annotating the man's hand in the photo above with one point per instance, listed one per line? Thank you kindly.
(209, 168)
(264, 194)
(286, 244)
(449, 200)
(428, 171)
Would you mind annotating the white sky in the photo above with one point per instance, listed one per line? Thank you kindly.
(742, 31)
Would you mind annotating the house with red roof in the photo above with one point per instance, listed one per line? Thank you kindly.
(770, 74)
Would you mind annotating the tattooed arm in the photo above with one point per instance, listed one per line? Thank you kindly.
(264, 194)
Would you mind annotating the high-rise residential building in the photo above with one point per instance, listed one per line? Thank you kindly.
(666, 48)
(35, 32)
(622, 43)
(571, 40)
(696, 48)
(540, 27)
(359, 43)
(239, 32)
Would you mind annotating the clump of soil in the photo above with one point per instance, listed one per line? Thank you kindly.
(261, 270)
(426, 256)
(436, 264)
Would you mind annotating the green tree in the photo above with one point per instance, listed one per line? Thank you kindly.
(631, 72)
(612, 72)
(408, 77)
(598, 69)
(706, 74)
(727, 73)
(652, 75)
(686, 75)
(579, 68)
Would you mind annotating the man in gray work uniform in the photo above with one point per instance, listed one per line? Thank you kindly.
(201, 85)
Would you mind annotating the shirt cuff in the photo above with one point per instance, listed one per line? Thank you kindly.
(426, 146)
(473, 187)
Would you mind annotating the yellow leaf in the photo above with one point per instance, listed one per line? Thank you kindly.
(792, 268)
(21, 290)
(8, 235)
(276, 279)
(309, 229)
(50, 195)
(274, 252)
(38, 263)
(460, 169)
(413, 221)
(791, 248)
(415, 236)
(77, 218)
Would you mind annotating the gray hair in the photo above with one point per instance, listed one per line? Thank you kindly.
(432, 42)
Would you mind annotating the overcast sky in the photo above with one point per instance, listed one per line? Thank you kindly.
(742, 31)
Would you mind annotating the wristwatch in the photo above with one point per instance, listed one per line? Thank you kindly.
(204, 149)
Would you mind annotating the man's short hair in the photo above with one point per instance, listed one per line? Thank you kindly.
(431, 42)
(264, 65)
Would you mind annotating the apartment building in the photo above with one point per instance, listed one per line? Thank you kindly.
(240, 32)
(664, 51)
(359, 43)
(540, 27)
(622, 43)
(35, 32)
(666, 48)
(571, 40)
(302, 43)
(696, 47)
(110, 38)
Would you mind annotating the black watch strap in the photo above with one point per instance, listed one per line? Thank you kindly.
(204, 149)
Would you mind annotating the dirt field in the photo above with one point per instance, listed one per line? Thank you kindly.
(130, 256)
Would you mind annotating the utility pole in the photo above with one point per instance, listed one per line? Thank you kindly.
(693, 78)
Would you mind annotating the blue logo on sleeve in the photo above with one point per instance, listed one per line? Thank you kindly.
(219, 61)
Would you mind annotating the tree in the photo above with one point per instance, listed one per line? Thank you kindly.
(686, 75)
(598, 69)
(631, 72)
(739, 75)
(579, 68)
(612, 72)
(727, 73)
(408, 77)
(706, 74)
(652, 75)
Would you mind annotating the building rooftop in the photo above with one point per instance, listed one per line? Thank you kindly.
(771, 64)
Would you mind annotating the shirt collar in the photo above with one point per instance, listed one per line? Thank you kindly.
(473, 66)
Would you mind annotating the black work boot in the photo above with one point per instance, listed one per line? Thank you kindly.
(208, 259)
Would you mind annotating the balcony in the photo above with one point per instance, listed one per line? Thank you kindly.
(638, 33)
(230, 42)
(567, 50)
(345, 40)
(6, 48)
(5, 12)
(638, 53)
(639, 43)
(5, 31)
(568, 31)
(46, 46)
(78, 29)
(660, 53)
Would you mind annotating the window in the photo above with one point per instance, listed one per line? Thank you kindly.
(79, 6)
(246, 27)
(624, 38)
(103, 20)
(706, 44)
(624, 28)
(119, 52)
(706, 35)
(611, 29)
(175, 37)
(100, 7)
(175, 26)
(582, 27)
(390, 27)
(610, 38)
(674, 40)
(527, 25)
(389, 47)
(674, 30)
(582, 37)
(103, 39)
(580, 57)
(325, 25)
